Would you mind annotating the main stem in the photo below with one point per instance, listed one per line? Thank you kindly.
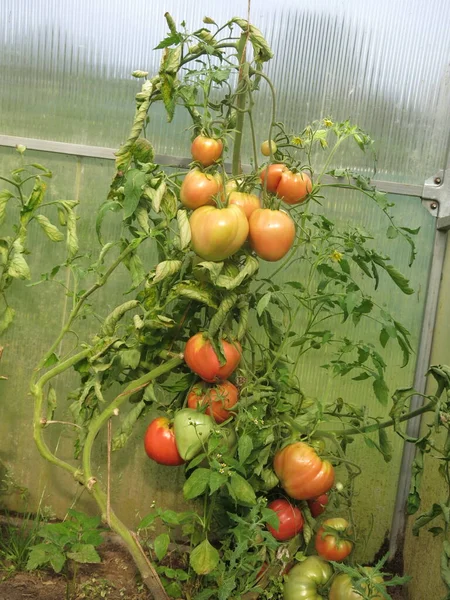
(240, 104)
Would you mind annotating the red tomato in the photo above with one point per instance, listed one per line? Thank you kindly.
(248, 202)
(201, 358)
(333, 545)
(217, 233)
(317, 505)
(271, 176)
(271, 233)
(159, 443)
(290, 517)
(206, 150)
(219, 398)
(293, 187)
(198, 189)
(302, 473)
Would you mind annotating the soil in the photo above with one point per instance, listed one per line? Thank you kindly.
(113, 579)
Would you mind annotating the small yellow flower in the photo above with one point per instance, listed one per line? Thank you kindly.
(221, 470)
(336, 256)
(297, 140)
(328, 123)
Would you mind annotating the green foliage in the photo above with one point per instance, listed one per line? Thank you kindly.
(75, 539)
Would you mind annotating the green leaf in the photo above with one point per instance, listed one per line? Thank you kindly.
(166, 269)
(37, 195)
(6, 318)
(204, 558)
(425, 518)
(141, 215)
(51, 402)
(156, 195)
(216, 481)
(111, 321)
(84, 553)
(392, 232)
(381, 390)
(134, 182)
(384, 337)
(161, 545)
(184, 229)
(361, 377)
(5, 195)
(263, 303)
(50, 230)
(385, 445)
(126, 429)
(111, 205)
(194, 291)
(72, 237)
(400, 399)
(196, 484)
(171, 40)
(398, 278)
(168, 93)
(241, 490)
(18, 267)
(230, 283)
(245, 446)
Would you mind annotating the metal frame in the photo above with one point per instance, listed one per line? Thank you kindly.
(435, 195)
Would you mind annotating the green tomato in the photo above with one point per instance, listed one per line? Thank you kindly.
(192, 430)
(306, 578)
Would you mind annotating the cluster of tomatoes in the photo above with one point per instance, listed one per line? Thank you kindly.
(224, 218)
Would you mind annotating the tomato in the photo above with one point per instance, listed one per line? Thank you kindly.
(159, 443)
(306, 579)
(192, 429)
(290, 518)
(219, 398)
(317, 505)
(248, 202)
(199, 189)
(333, 545)
(206, 150)
(271, 233)
(201, 358)
(293, 187)
(302, 473)
(265, 148)
(217, 233)
(271, 176)
(342, 589)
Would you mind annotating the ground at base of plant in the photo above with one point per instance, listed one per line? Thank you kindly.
(113, 579)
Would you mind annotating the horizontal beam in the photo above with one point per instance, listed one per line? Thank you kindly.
(390, 187)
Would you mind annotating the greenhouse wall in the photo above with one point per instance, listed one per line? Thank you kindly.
(65, 77)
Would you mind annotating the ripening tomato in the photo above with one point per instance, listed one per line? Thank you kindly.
(306, 579)
(293, 187)
(206, 150)
(290, 518)
(271, 176)
(265, 148)
(248, 202)
(334, 544)
(317, 505)
(201, 358)
(219, 398)
(159, 443)
(342, 589)
(217, 233)
(271, 233)
(199, 189)
(302, 473)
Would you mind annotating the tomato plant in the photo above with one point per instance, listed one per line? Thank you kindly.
(217, 233)
(206, 150)
(332, 541)
(290, 520)
(302, 473)
(159, 443)
(342, 588)
(218, 398)
(207, 307)
(271, 233)
(201, 357)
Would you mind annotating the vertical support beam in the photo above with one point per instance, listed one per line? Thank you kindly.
(398, 525)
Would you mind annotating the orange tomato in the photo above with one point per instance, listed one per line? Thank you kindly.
(248, 202)
(293, 188)
(201, 358)
(271, 233)
(333, 545)
(198, 189)
(218, 398)
(206, 150)
(271, 176)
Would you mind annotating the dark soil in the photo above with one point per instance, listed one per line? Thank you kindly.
(113, 579)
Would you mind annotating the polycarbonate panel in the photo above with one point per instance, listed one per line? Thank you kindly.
(65, 71)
